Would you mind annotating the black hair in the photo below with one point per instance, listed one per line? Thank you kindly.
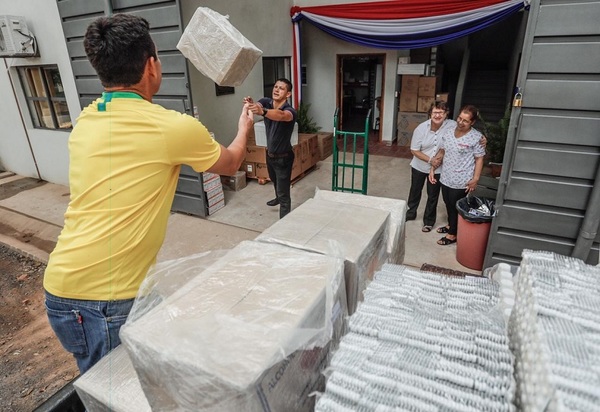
(472, 110)
(118, 48)
(287, 83)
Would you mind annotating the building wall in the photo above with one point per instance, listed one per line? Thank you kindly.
(319, 54)
(267, 24)
(48, 147)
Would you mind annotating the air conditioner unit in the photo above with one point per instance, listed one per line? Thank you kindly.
(15, 38)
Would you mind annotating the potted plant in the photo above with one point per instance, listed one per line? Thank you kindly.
(496, 134)
(306, 124)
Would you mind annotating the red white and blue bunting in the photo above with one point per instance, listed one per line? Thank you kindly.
(400, 24)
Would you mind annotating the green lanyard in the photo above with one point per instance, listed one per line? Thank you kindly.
(108, 96)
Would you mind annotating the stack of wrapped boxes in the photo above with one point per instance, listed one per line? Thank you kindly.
(215, 199)
(308, 150)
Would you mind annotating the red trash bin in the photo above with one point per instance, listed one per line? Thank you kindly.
(471, 243)
(474, 223)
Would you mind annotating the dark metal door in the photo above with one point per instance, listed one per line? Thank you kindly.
(551, 164)
(166, 30)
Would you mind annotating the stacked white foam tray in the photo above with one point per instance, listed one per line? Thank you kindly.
(357, 234)
(252, 332)
(555, 334)
(423, 342)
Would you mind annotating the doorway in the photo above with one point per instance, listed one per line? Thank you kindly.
(360, 87)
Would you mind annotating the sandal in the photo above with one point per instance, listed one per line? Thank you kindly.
(443, 229)
(426, 228)
(445, 241)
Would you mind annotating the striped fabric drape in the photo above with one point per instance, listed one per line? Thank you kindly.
(400, 24)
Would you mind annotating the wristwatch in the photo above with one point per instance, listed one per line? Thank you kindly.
(265, 111)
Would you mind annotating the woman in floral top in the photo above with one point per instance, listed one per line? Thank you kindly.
(462, 153)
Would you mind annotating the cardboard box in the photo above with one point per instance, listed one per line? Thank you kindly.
(256, 154)
(261, 134)
(297, 166)
(316, 223)
(442, 97)
(427, 86)
(408, 101)
(410, 84)
(217, 49)
(211, 181)
(325, 143)
(407, 123)
(249, 168)
(236, 182)
(424, 103)
(304, 155)
(239, 336)
(261, 171)
(313, 147)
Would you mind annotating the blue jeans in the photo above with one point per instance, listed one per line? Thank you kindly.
(89, 329)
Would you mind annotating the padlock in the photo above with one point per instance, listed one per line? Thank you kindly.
(518, 101)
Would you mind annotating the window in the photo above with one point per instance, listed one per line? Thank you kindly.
(45, 97)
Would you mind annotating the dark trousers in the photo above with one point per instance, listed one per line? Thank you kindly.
(280, 173)
(451, 196)
(417, 180)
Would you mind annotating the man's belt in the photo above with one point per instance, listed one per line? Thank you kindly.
(277, 155)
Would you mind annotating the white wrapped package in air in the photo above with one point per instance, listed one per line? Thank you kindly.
(252, 332)
(396, 207)
(355, 233)
(112, 385)
(217, 49)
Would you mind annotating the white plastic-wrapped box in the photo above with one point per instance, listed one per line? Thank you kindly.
(217, 49)
(396, 207)
(112, 385)
(252, 332)
(355, 233)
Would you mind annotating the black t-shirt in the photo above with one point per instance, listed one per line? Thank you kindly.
(279, 134)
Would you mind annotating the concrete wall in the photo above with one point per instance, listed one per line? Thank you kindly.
(48, 147)
(265, 23)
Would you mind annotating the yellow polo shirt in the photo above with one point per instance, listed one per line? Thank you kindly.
(125, 155)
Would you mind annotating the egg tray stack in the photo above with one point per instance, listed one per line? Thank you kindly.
(555, 333)
(423, 342)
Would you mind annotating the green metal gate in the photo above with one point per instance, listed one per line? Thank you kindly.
(347, 169)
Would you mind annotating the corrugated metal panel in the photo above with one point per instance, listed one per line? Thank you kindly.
(166, 29)
(553, 147)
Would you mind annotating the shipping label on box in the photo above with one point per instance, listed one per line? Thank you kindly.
(249, 168)
(256, 154)
(325, 142)
(261, 171)
(408, 102)
(424, 104)
(427, 86)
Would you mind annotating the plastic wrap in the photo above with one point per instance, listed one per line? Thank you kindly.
(112, 385)
(252, 332)
(355, 233)
(555, 333)
(217, 49)
(423, 342)
(396, 207)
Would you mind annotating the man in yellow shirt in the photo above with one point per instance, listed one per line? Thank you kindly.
(125, 156)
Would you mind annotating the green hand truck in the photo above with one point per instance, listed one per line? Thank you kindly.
(345, 159)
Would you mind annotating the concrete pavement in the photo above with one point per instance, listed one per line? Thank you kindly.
(31, 215)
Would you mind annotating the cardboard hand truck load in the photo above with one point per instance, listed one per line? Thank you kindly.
(217, 49)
